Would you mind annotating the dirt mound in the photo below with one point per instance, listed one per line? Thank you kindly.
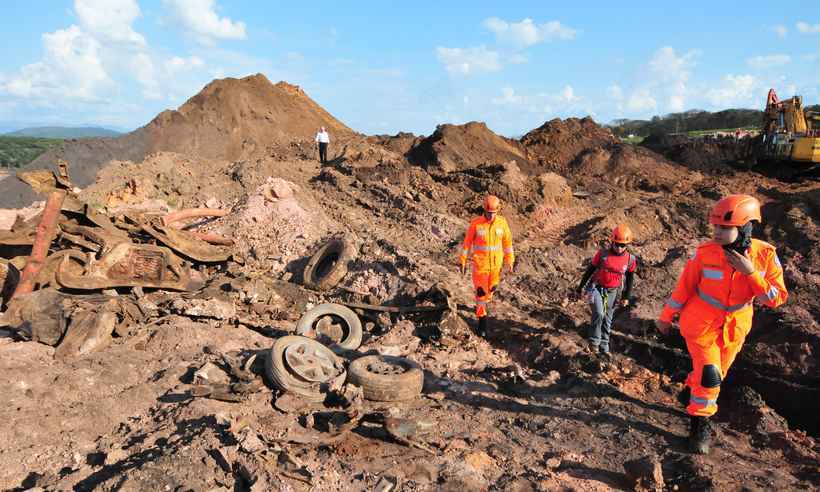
(458, 147)
(400, 143)
(555, 144)
(714, 156)
(233, 118)
(228, 120)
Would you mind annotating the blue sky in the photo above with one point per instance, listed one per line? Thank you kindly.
(384, 68)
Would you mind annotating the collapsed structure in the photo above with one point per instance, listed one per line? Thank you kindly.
(191, 351)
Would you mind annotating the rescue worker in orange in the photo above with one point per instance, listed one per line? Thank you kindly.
(713, 299)
(490, 241)
(612, 272)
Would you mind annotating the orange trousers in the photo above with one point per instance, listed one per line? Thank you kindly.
(485, 283)
(712, 355)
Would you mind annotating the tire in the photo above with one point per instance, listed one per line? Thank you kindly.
(328, 266)
(353, 333)
(279, 375)
(378, 386)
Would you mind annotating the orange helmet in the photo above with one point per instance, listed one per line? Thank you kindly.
(492, 203)
(621, 234)
(735, 210)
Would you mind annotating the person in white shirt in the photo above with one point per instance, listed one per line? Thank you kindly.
(322, 138)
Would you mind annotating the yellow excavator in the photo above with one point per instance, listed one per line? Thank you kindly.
(789, 133)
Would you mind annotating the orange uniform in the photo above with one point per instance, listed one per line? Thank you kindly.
(491, 246)
(715, 306)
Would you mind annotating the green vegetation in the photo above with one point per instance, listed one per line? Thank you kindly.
(19, 151)
(64, 132)
(634, 140)
(689, 121)
(698, 133)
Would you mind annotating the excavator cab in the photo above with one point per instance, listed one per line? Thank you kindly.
(789, 134)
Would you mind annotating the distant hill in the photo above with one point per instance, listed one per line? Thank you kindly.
(688, 121)
(64, 132)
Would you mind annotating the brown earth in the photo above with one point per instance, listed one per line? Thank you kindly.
(230, 119)
(524, 409)
(458, 147)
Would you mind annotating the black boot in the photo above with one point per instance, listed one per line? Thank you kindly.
(482, 327)
(699, 435)
(684, 396)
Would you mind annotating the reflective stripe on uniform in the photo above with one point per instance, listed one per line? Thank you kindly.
(777, 261)
(702, 401)
(674, 304)
(508, 251)
(772, 293)
(712, 274)
(486, 248)
(717, 304)
(465, 251)
(481, 303)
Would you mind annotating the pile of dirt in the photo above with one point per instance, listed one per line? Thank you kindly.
(400, 143)
(458, 147)
(555, 144)
(236, 118)
(712, 155)
(228, 120)
(176, 179)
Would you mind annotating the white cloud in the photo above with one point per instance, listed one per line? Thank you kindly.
(70, 68)
(146, 75)
(110, 19)
(768, 61)
(781, 31)
(508, 97)
(526, 33)
(176, 63)
(200, 18)
(518, 58)
(807, 28)
(615, 92)
(641, 101)
(735, 90)
(468, 61)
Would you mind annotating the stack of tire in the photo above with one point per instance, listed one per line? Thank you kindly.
(381, 377)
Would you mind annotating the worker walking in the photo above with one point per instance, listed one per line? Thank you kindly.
(322, 139)
(490, 241)
(713, 299)
(612, 272)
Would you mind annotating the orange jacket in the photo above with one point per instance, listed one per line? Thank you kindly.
(710, 293)
(490, 243)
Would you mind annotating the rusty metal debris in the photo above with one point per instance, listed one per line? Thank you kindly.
(396, 309)
(46, 231)
(73, 252)
(186, 244)
(127, 265)
(406, 432)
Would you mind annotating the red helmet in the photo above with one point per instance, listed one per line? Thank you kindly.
(621, 234)
(492, 203)
(735, 210)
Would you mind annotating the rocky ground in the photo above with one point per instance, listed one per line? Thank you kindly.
(524, 409)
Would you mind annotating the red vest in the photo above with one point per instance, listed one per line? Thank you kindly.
(611, 268)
